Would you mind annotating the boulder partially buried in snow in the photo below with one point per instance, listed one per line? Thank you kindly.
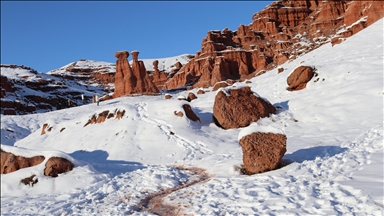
(239, 107)
(191, 96)
(262, 150)
(188, 112)
(11, 162)
(57, 165)
(299, 78)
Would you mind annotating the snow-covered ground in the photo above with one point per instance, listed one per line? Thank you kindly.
(334, 148)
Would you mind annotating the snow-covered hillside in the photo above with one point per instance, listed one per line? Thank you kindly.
(334, 130)
(24, 90)
(165, 64)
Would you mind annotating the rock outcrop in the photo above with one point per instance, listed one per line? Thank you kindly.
(235, 108)
(11, 162)
(132, 80)
(167, 96)
(190, 114)
(201, 91)
(45, 127)
(191, 97)
(101, 117)
(19, 85)
(158, 77)
(221, 84)
(262, 152)
(56, 166)
(279, 33)
(299, 78)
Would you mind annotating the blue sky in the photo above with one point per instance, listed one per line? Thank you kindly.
(46, 35)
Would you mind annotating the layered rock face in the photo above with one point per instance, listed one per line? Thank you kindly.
(237, 108)
(132, 80)
(281, 32)
(262, 152)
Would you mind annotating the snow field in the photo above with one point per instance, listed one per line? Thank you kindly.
(334, 132)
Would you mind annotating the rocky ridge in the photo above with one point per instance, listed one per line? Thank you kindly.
(279, 33)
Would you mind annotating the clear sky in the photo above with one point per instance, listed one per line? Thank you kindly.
(46, 35)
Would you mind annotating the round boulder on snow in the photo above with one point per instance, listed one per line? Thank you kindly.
(299, 78)
(239, 107)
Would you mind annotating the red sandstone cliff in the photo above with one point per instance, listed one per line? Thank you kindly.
(283, 30)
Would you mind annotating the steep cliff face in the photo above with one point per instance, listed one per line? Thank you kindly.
(279, 33)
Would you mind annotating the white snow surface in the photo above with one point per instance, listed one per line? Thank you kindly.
(334, 130)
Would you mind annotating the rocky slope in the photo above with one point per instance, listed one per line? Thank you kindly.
(25, 91)
(281, 32)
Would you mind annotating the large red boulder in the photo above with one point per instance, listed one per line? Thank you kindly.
(235, 108)
(299, 78)
(262, 151)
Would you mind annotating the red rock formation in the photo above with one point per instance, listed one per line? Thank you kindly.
(178, 65)
(45, 126)
(201, 91)
(6, 85)
(11, 162)
(57, 165)
(189, 113)
(158, 77)
(237, 108)
(262, 152)
(273, 38)
(191, 97)
(178, 113)
(133, 80)
(168, 96)
(220, 85)
(299, 78)
(101, 117)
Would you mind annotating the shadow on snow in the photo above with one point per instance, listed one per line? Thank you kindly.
(98, 159)
(313, 153)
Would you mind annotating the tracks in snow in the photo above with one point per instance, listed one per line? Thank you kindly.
(192, 148)
(312, 187)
